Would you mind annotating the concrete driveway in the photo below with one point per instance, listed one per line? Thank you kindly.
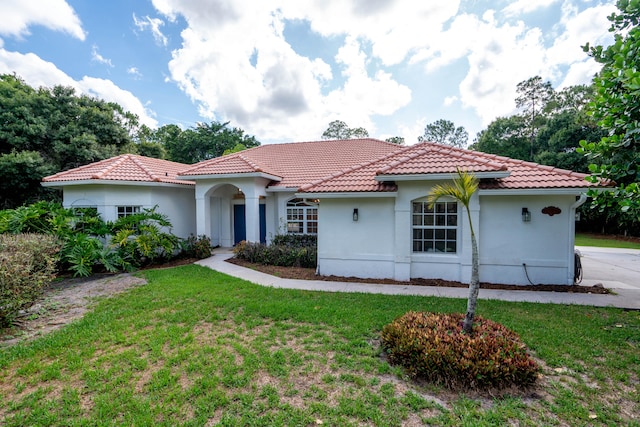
(613, 267)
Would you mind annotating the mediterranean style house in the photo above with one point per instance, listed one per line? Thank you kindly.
(366, 201)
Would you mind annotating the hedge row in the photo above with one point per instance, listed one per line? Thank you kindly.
(27, 265)
(277, 254)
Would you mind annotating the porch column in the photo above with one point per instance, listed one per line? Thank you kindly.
(203, 216)
(252, 217)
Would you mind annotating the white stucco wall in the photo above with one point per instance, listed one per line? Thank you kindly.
(175, 202)
(545, 244)
(379, 244)
(363, 248)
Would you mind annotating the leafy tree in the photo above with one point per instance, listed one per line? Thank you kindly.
(20, 175)
(205, 141)
(340, 130)
(445, 132)
(533, 96)
(462, 189)
(147, 144)
(47, 130)
(237, 148)
(505, 136)
(616, 107)
(396, 140)
(556, 140)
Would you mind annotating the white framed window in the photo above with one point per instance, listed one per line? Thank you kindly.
(123, 211)
(302, 217)
(435, 229)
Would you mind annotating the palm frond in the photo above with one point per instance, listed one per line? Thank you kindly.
(461, 189)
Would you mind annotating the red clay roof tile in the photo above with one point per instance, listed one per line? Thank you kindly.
(334, 166)
(126, 167)
(299, 163)
(429, 158)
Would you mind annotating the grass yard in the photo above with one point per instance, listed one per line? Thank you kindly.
(195, 347)
(604, 241)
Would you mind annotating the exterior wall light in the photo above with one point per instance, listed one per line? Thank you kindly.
(355, 214)
(526, 215)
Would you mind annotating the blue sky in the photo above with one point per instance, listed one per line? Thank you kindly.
(283, 69)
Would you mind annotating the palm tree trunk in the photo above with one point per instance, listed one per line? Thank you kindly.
(474, 284)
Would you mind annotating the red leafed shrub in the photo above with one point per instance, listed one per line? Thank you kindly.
(434, 347)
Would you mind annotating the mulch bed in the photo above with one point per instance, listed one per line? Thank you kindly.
(310, 274)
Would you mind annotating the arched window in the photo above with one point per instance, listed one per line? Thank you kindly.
(435, 229)
(302, 216)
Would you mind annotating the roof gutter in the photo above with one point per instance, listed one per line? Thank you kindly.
(61, 184)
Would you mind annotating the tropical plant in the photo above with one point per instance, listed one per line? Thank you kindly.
(616, 107)
(141, 239)
(462, 189)
(431, 346)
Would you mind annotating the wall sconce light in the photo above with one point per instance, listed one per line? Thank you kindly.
(355, 214)
(526, 215)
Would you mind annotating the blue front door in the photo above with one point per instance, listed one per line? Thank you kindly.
(240, 224)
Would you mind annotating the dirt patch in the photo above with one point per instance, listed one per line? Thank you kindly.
(310, 274)
(63, 302)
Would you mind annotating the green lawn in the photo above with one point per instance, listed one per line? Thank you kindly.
(196, 347)
(604, 241)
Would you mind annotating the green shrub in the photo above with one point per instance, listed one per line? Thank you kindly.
(295, 240)
(434, 347)
(27, 265)
(279, 255)
(196, 247)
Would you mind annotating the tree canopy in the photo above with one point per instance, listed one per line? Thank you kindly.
(547, 129)
(48, 130)
(616, 108)
(340, 130)
(445, 132)
(205, 141)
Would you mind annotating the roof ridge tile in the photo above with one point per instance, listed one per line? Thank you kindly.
(145, 169)
(117, 162)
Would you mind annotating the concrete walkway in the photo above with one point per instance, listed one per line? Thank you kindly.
(623, 298)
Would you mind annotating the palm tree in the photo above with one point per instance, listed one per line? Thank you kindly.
(462, 189)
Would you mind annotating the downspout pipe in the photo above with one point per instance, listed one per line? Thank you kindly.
(572, 237)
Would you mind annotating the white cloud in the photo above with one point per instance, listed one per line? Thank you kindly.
(273, 91)
(57, 15)
(95, 56)
(236, 63)
(37, 72)
(135, 72)
(520, 7)
(578, 28)
(153, 25)
(450, 100)
(503, 53)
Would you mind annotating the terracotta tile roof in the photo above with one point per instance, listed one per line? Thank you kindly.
(429, 158)
(126, 167)
(333, 166)
(297, 164)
